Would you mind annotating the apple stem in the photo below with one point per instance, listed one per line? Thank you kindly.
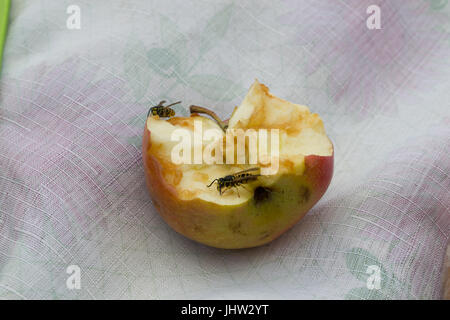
(197, 109)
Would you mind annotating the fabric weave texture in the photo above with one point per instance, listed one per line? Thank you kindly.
(73, 104)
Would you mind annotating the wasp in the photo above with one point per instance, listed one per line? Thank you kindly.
(162, 110)
(235, 180)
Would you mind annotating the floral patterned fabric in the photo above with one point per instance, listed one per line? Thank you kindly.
(72, 108)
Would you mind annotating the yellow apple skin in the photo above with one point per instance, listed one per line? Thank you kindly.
(250, 224)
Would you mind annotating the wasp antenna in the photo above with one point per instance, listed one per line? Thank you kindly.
(211, 183)
(172, 104)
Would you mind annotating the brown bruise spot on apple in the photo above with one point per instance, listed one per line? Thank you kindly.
(183, 122)
(264, 235)
(235, 226)
(201, 177)
(198, 228)
(172, 174)
(261, 194)
(288, 164)
(156, 203)
(188, 193)
(304, 194)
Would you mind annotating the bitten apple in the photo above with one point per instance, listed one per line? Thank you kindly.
(259, 210)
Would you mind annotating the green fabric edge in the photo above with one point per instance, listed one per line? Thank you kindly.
(4, 13)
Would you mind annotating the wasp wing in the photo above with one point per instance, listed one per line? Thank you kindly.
(247, 170)
(243, 179)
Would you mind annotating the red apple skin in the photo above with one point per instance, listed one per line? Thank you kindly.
(238, 226)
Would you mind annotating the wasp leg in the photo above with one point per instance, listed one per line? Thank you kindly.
(225, 190)
(244, 187)
(237, 190)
